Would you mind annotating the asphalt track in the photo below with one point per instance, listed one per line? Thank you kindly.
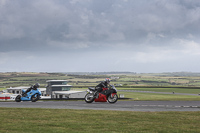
(144, 106)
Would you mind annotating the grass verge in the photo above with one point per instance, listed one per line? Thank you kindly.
(26, 120)
(158, 97)
(176, 90)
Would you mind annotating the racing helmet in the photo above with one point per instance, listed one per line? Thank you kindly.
(107, 80)
(36, 85)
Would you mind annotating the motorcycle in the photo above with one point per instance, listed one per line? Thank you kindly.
(107, 95)
(32, 95)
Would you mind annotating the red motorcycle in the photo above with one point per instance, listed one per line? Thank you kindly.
(107, 95)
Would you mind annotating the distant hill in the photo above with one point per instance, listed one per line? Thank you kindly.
(99, 73)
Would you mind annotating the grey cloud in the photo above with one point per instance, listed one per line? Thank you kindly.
(128, 22)
(75, 26)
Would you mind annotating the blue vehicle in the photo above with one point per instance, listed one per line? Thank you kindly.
(32, 95)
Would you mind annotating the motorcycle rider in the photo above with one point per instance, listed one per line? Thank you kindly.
(100, 86)
(34, 87)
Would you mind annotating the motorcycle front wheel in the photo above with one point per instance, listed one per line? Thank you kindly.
(18, 98)
(89, 98)
(112, 99)
(35, 97)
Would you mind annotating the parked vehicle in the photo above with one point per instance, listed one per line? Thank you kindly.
(107, 95)
(32, 95)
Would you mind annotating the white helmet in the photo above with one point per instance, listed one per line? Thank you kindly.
(107, 80)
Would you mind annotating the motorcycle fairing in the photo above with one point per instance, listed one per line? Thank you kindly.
(103, 95)
(101, 98)
(29, 95)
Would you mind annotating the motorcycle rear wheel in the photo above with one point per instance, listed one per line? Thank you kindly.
(112, 99)
(18, 98)
(89, 98)
(35, 97)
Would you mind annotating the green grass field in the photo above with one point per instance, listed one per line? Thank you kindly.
(162, 97)
(137, 96)
(26, 120)
(176, 90)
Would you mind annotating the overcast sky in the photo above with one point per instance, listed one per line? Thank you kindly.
(142, 36)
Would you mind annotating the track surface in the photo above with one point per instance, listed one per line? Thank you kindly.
(146, 106)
